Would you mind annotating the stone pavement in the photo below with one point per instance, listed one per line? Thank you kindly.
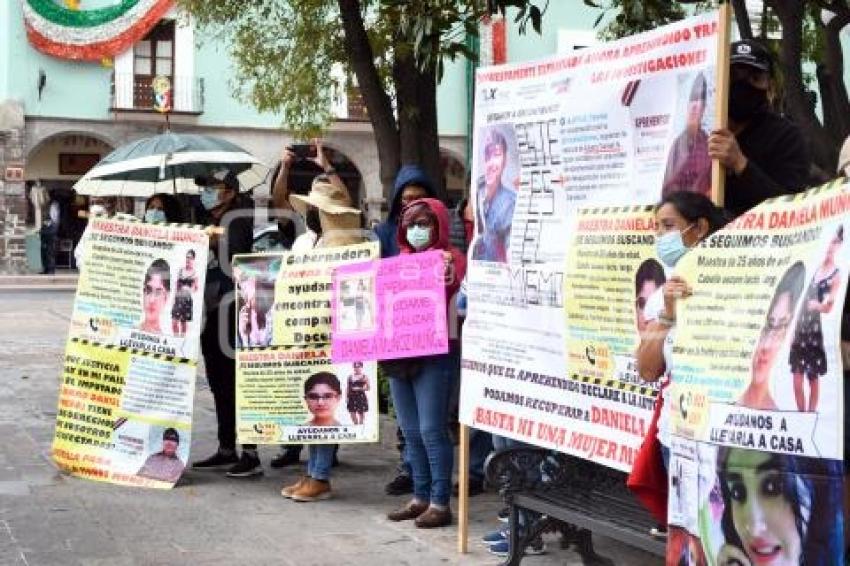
(47, 518)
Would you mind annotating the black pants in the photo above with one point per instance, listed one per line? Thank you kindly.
(218, 333)
(48, 249)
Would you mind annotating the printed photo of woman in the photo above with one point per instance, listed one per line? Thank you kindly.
(155, 293)
(187, 285)
(780, 314)
(807, 356)
(357, 403)
(779, 510)
(322, 393)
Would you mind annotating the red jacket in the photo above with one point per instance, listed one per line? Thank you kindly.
(441, 243)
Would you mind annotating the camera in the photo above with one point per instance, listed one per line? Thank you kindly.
(303, 151)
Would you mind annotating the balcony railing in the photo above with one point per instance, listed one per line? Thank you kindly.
(134, 92)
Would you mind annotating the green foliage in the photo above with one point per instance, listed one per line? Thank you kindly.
(285, 50)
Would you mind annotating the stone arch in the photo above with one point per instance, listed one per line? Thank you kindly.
(40, 139)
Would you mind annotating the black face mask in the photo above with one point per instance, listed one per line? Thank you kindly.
(314, 221)
(745, 100)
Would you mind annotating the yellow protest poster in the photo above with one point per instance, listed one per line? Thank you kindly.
(128, 379)
(287, 388)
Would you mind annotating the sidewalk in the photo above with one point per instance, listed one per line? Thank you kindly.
(35, 282)
(47, 518)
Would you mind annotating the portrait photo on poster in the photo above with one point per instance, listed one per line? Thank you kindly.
(496, 182)
(688, 166)
(255, 278)
(649, 277)
(155, 296)
(356, 304)
(169, 451)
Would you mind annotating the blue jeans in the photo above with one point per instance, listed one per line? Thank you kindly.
(319, 461)
(422, 407)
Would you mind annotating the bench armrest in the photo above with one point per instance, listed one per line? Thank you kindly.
(526, 468)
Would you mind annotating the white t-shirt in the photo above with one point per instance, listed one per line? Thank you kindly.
(654, 307)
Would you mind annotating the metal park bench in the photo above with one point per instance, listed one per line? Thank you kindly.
(569, 495)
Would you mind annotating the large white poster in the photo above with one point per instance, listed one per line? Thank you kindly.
(617, 124)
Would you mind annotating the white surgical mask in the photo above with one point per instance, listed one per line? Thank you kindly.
(154, 215)
(670, 247)
(418, 237)
(209, 198)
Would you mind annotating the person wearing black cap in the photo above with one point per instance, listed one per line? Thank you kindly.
(165, 465)
(688, 164)
(224, 206)
(764, 153)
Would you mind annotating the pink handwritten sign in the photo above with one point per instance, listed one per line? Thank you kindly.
(389, 309)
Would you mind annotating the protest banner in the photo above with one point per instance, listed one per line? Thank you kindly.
(757, 412)
(288, 389)
(125, 404)
(620, 123)
(389, 309)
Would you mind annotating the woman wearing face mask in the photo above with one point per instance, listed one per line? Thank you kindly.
(683, 220)
(163, 207)
(421, 387)
(224, 206)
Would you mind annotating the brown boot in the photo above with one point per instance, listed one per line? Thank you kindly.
(434, 517)
(290, 489)
(312, 490)
(410, 511)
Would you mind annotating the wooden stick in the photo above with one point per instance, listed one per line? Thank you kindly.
(463, 491)
(721, 98)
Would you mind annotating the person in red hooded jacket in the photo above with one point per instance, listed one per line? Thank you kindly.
(422, 387)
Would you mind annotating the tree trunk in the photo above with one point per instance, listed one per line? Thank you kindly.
(416, 102)
(831, 81)
(378, 103)
(801, 110)
(742, 18)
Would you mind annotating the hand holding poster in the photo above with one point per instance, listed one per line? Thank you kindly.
(389, 309)
(762, 405)
(125, 406)
(288, 390)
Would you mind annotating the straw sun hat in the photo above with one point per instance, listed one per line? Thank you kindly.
(325, 196)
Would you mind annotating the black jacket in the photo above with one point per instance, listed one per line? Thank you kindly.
(778, 163)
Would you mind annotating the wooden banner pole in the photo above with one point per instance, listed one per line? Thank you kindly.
(463, 490)
(721, 98)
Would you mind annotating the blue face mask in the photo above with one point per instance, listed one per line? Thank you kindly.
(418, 237)
(209, 198)
(670, 247)
(154, 215)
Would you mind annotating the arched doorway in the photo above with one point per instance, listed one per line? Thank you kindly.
(55, 164)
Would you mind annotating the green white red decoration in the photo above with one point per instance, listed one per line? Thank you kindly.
(90, 35)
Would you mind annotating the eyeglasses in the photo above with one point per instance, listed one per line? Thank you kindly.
(158, 292)
(316, 397)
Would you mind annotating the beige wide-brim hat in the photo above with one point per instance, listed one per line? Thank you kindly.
(844, 157)
(325, 196)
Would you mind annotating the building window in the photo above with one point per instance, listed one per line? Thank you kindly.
(152, 56)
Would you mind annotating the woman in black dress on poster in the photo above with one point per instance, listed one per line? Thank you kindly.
(807, 356)
(187, 283)
(358, 385)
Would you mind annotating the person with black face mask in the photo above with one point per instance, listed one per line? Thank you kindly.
(764, 153)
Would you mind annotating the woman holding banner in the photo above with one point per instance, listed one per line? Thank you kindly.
(422, 387)
(684, 219)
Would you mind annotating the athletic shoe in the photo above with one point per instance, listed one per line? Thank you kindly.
(659, 532)
(503, 549)
(495, 537)
(217, 460)
(401, 485)
(312, 490)
(504, 515)
(247, 466)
